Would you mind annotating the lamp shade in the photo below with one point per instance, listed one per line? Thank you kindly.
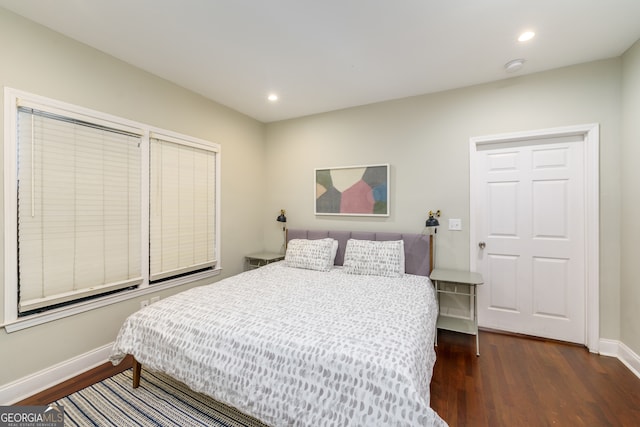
(281, 217)
(432, 222)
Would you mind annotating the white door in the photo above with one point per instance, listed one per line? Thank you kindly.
(530, 226)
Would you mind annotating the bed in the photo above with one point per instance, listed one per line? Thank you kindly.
(339, 333)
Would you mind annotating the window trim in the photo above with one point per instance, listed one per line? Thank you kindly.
(11, 321)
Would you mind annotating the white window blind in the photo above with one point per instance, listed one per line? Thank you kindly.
(182, 207)
(79, 220)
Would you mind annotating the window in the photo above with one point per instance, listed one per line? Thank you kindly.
(78, 209)
(98, 206)
(182, 207)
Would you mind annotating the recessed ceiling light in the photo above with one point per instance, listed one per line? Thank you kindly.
(526, 36)
(272, 97)
(514, 65)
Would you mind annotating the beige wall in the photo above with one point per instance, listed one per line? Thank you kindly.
(42, 62)
(630, 283)
(426, 141)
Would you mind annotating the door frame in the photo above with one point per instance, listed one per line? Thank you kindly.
(591, 137)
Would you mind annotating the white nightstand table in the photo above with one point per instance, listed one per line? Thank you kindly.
(262, 258)
(458, 282)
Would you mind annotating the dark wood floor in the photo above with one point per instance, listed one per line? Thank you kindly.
(520, 381)
(516, 381)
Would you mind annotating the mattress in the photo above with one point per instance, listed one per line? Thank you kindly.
(296, 347)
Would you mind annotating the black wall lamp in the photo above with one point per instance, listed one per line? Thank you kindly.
(281, 217)
(432, 221)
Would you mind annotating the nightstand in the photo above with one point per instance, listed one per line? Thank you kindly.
(262, 258)
(458, 282)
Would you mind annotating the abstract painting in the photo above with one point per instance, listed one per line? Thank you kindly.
(352, 190)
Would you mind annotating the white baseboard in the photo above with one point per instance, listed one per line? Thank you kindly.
(630, 359)
(619, 350)
(609, 347)
(28, 386)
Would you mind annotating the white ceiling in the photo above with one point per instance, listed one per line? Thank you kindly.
(323, 55)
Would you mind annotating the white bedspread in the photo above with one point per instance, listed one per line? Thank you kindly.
(296, 347)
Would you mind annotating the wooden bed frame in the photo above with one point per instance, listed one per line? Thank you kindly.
(137, 370)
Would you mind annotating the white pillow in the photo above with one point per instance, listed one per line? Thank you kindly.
(377, 258)
(311, 254)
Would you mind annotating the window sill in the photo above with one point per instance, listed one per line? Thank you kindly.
(50, 316)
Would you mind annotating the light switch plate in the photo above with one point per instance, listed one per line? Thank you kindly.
(455, 224)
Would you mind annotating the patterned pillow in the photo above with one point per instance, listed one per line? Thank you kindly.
(377, 258)
(311, 254)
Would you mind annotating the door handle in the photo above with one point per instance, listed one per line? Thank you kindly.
(482, 245)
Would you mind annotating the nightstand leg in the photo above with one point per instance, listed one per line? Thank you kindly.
(475, 318)
(438, 301)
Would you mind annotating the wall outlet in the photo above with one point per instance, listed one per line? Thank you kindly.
(144, 303)
(455, 224)
(155, 299)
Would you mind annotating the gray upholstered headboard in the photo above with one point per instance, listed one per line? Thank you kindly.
(416, 246)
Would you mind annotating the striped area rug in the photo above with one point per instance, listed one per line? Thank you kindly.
(159, 401)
